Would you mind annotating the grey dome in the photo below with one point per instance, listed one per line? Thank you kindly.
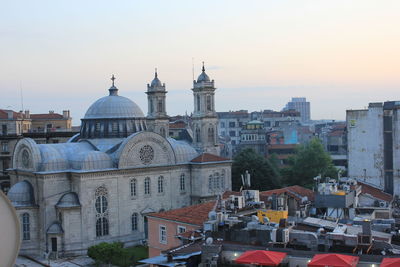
(55, 228)
(112, 107)
(21, 194)
(203, 77)
(68, 200)
(156, 82)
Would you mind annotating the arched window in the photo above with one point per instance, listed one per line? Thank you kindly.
(147, 186)
(182, 182)
(151, 106)
(102, 226)
(210, 182)
(160, 184)
(114, 127)
(160, 106)
(223, 179)
(211, 135)
(133, 187)
(198, 102)
(162, 132)
(209, 103)
(198, 135)
(101, 207)
(216, 180)
(26, 227)
(134, 219)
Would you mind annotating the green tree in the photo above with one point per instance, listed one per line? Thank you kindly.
(309, 161)
(106, 253)
(264, 175)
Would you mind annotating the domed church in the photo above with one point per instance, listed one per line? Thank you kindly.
(99, 186)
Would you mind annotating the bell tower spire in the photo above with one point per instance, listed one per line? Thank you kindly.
(205, 119)
(157, 118)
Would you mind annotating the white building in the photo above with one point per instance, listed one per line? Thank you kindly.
(373, 145)
(301, 105)
(99, 185)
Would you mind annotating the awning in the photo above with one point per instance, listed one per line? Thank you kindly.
(390, 262)
(261, 257)
(333, 260)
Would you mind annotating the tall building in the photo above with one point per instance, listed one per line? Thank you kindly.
(373, 145)
(99, 186)
(301, 105)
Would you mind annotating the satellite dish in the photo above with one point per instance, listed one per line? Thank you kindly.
(209, 240)
(9, 232)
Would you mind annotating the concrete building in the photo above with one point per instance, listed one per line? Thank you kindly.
(333, 136)
(253, 136)
(373, 150)
(301, 105)
(99, 186)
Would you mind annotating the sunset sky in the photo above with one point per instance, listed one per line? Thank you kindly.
(338, 54)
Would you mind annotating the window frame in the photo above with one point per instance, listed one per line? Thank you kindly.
(133, 187)
(26, 226)
(134, 221)
(180, 227)
(160, 184)
(162, 234)
(147, 183)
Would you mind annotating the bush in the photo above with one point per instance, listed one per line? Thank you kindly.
(116, 254)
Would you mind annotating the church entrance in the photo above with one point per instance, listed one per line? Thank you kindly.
(54, 244)
(146, 228)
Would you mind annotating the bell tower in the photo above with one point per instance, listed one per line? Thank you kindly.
(204, 117)
(157, 118)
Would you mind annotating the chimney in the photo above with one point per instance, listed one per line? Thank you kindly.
(51, 111)
(10, 114)
(66, 114)
(27, 115)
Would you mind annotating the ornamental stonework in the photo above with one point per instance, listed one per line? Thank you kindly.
(146, 154)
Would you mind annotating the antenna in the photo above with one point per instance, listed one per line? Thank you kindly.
(192, 68)
(22, 98)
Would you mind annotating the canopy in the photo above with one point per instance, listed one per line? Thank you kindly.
(390, 262)
(333, 260)
(261, 257)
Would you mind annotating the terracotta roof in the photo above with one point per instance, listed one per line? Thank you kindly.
(46, 116)
(177, 125)
(375, 192)
(4, 114)
(206, 157)
(295, 191)
(229, 193)
(196, 214)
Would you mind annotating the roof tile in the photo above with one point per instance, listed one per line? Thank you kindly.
(196, 214)
(206, 157)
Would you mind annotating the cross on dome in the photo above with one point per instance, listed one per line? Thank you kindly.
(113, 79)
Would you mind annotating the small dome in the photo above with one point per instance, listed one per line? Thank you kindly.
(68, 200)
(113, 107)
(55, 228)
(21, 194)
(203, 77)
(156, 82)
(96, 160)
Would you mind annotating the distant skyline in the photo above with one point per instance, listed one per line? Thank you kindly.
(338, 54)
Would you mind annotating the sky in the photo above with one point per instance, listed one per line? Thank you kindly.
(338, 54)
